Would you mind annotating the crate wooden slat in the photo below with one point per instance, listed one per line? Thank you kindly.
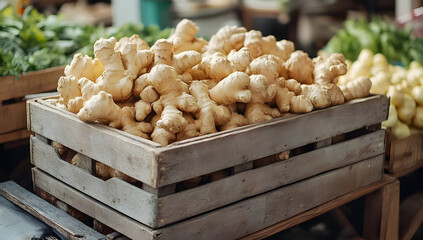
(12, 117)
(326, 207)
(159, 211)
(14, 135)
(59, 220)
(28, 83)
(235, 220)
(160, 166)
(12, 102)
(406, 155)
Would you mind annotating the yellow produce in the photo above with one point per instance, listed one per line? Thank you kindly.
(380, 83)
(403, 86)
(397, 97)
(414, 76)
(417, 93)
(400, 130)
(357, 88)
(392, 117)
(407, 110)
(418, 117)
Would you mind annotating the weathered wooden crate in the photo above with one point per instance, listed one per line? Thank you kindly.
(234, 206)
(404, 155)
(12, 102)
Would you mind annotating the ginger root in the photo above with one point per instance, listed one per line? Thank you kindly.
(323, 95)
(113, 80)
(215, 67)
(183, 87)
(357, 88)
(240, 59)
(184, 37)
(101, 108)
(84, 66)
(174, 98)
(300, 67)
(70, 94)
(262, 92)
(232, 89)
(226, 39)
(327, 71)
(210, 113)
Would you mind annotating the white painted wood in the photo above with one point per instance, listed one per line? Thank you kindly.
(52, 216)
(136, 158)
(160, 166)
(154, 212)
(256, 181)
(236, 220)
(114, 192)
(91, 207)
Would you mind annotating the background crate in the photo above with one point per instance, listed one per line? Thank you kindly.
(404, 155)
(12, 102)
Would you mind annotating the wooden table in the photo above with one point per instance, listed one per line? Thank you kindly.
(380, 218)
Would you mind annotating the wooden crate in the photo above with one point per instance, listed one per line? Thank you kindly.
(404, 155)
(12, 102)
(232, 221)
(341, 166)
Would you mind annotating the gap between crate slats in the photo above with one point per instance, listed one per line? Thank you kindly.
(109, 147)
(159, 211)
(161, 166)
(236, 220)
(91, 207)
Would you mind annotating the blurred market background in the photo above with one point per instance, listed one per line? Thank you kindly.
(53, 30)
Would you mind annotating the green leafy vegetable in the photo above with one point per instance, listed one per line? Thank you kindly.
(380, 35)
(34, 41)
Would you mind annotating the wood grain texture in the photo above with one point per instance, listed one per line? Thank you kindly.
(406, 155)
(197, 156)
(12, 117)
(381, 213)
(317, 211)
(52, 216)
(114, 192)
(390, 212)
(158, 211)
(256, 181)
(202, 155)
(91, 207)
(411, 216)
(101, 143)
(239, 219)
(28, 83)
(253, 214)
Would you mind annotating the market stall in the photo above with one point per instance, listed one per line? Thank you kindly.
(166, 134)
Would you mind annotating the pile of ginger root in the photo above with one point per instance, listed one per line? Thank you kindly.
(184, 86)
